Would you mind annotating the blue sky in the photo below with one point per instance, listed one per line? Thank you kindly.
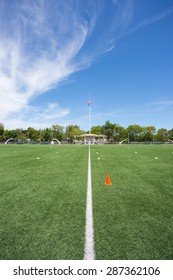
(56, 54)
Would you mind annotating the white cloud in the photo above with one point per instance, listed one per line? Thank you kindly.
(37, 116)
(161, 105)
(149, 21)
(44, 42)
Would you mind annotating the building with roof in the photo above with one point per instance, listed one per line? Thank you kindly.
(91, 138)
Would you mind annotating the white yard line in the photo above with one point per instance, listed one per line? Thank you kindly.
(89, 231)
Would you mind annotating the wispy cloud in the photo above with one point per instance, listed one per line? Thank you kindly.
(161, 105)
(43, 42)
(149, 21)
(37, 116)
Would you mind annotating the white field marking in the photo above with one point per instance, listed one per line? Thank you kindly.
(89, 253)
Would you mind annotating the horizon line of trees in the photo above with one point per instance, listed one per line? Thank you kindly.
(114, 133)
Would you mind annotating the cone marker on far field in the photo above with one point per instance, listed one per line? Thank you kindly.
(108, 180)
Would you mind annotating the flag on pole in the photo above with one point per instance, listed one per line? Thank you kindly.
(89, 102)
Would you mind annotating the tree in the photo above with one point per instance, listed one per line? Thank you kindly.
(9, 134)
(58, 132)
(1, 130)
(119, 133)
(71, 131)
(97, 129)
(170, 134)
(148, 134)
(32, 134)
(113, 131)
(162, 135)
(109, 130)
(134, 131)
(46, 134)
(21, 134)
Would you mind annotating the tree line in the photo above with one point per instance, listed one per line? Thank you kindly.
(114, 133)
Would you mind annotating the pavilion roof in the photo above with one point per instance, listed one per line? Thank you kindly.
(90, 134)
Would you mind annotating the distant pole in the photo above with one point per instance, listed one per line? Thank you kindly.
(89, 115)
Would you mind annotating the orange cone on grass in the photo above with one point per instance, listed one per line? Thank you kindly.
(108, 180)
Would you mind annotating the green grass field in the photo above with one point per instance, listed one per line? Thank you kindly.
(133, 218)
(43, 201)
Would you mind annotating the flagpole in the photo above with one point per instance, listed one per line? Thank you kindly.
(89, 115)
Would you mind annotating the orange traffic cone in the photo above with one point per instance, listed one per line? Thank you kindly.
(108, 180)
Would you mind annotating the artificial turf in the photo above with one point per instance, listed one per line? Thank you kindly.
(42, 201)
(133, 217)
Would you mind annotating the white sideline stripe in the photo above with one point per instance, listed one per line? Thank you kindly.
(89, 231)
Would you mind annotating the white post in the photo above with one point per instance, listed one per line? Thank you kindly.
(89, 115)
(89, 118)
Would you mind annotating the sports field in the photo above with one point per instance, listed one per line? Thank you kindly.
(43, 201)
